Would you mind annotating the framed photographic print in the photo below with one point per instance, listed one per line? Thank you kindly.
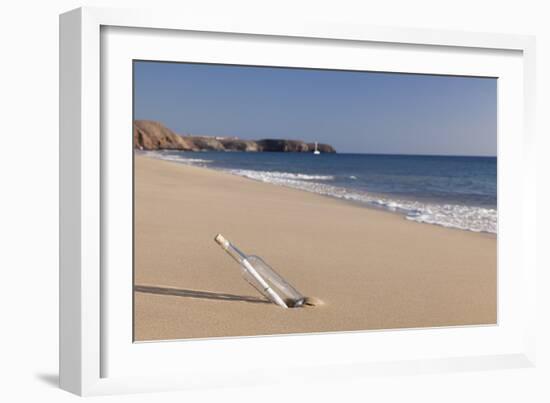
(242, 203)
(388, 221)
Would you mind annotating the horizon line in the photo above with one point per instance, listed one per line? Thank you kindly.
(422, 155)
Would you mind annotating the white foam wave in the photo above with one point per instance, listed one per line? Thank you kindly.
(177, 158)
(469, 218)
(278, 177)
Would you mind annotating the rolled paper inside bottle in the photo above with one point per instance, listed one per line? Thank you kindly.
(273, 296)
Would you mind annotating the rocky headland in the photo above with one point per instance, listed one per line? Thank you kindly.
(151, 135)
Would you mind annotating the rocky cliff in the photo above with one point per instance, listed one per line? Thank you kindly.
(150, 135)
(296, 146)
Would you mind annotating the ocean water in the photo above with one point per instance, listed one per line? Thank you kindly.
(456, 192)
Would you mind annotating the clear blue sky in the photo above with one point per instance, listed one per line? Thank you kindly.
(362, 112)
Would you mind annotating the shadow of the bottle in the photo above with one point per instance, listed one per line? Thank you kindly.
(178, 292)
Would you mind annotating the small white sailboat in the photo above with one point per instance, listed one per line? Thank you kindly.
(316, 151)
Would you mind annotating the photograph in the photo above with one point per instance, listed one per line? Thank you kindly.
(273, 200)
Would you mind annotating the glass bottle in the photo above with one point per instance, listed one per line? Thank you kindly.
(262, 277)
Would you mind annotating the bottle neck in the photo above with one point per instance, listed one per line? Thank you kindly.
(235, 253)
(232, 250)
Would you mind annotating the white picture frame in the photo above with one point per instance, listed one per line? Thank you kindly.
(96, 354)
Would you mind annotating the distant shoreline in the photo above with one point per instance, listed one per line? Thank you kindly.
(150, 135)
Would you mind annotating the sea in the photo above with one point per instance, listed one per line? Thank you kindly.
(451, 191)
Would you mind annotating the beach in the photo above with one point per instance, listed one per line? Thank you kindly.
(366, 268)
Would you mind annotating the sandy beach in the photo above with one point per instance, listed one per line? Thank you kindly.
(371, 269)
